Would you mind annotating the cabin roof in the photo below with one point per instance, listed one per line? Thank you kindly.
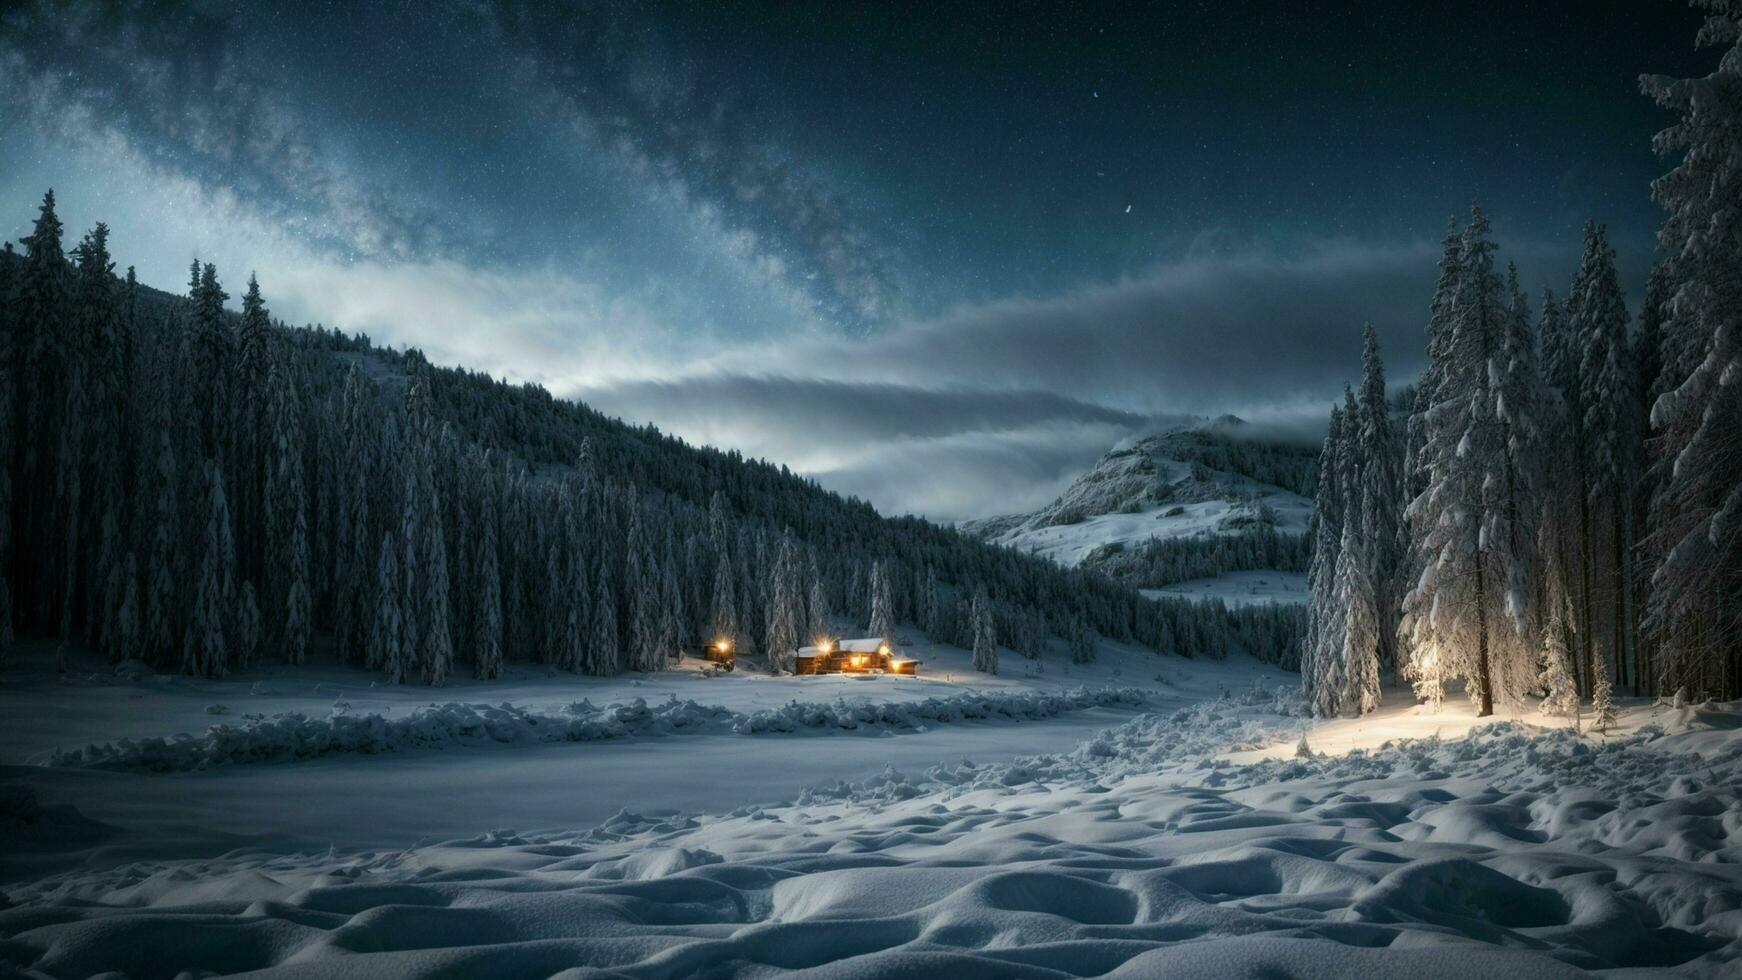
(865, 645)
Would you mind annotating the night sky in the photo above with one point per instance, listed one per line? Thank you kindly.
(938, 256)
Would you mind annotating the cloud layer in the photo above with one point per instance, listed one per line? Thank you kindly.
(990, 409)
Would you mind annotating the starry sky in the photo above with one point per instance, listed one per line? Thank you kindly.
(941, 256)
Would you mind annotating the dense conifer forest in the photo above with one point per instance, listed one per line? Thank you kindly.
(200, 490)
(1561, 514)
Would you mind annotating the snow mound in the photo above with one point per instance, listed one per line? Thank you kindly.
(293, 735)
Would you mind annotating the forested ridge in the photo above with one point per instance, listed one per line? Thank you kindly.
(201, 489)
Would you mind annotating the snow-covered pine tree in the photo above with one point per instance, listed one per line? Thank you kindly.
(487, 636)
(1598, 321)
(785, 606)
(819, 624)
(1355, 595)
(579, 653)
(1562, 697)
(287, 546)
(206, 650)
(1560, 539)
(129, 627)
(607, 645)
(1082, 643)
(641, 585)
(1696, 520)
(1602, 699)
(437, 652)
(386, 639)
(1381, 498)
(985, 633)
(1514, 502)
(1322, 645)
(1455, 616)
(160, 599)
(882, 621)
(248, 629)
(354, 569)
(672, 619)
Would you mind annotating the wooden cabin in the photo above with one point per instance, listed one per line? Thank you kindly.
(863, 656)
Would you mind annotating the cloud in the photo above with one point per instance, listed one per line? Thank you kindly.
(989, 409)
(1202, 336)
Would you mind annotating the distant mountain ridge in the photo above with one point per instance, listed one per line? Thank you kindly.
(1199, 482)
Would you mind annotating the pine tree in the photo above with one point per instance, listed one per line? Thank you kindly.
(985, 634)
(819, 625)
(1082, 644)
(129, 639)
(287, 520)
(607, 649)
(1360, 653)
(160, 602)
(1598, 315)
(1602, 700)
(247, 627)
(386, 639)
(1557, 673)
(1456, 616)
(1696, 519)
(724, 622)
(785, 606)
(882, 622)
(1381, 497)
(487, 640)
(438, 645)
(1322, 644)
(672, 620)
(207, 647)
(641, 590)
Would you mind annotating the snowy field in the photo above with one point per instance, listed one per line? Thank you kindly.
(1187, 837)
(1237, 589)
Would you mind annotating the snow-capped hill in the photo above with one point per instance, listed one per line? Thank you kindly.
(1202, 481)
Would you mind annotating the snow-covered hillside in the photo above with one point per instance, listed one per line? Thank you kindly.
(1199, 481)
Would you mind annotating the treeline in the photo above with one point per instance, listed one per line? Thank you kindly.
(1160, 562)
(1223, 446)
(200, 490)
(1563, 511)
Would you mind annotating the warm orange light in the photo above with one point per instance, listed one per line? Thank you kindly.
(724, 646)
(825, 646)
(858, 661)
(884, 649)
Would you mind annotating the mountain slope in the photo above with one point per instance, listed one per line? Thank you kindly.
(1189, 499)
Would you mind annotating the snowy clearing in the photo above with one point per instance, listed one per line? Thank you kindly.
(1189, 840)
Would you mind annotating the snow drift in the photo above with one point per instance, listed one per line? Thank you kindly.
(293, 735)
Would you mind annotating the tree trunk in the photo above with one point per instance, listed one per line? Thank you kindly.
(1621, 589)
(1588, 641)
(1484, 683)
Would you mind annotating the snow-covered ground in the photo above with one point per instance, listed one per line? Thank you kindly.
(1237, 589)
(1188, 839)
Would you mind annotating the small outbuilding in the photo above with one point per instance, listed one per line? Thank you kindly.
(863, 656)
